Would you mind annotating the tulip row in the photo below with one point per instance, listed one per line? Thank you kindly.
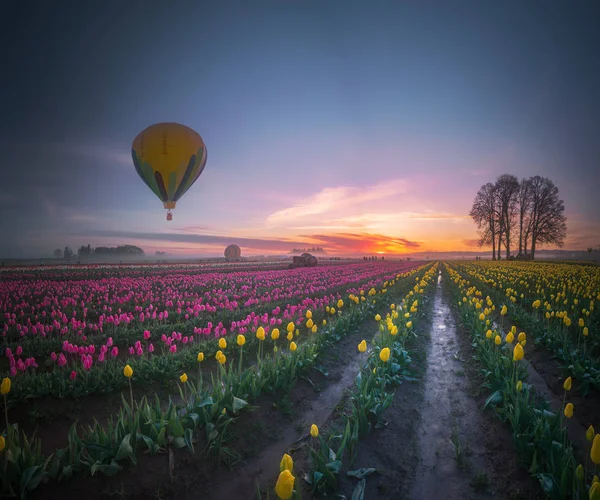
(555, 303)
(142, 426)
(540, 436)
(81, 370)
(99, 271)
(384, 368)
(54, 325)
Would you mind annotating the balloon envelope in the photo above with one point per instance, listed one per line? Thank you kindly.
(169, 157)
(233, 252)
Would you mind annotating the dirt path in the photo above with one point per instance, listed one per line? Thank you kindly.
(439, 443)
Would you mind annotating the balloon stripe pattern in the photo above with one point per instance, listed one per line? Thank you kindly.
(169, 158)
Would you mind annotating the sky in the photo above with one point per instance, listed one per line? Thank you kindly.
(356, 126)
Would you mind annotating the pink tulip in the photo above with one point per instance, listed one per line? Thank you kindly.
(114, 352)
(73, 375)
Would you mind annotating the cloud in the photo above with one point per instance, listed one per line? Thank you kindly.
(337, 242)
(365, 242)
(336, 199)
(473, 243)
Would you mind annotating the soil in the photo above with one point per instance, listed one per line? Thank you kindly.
(438, 443)
(259, 438)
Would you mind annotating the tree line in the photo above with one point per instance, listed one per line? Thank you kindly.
(87, 250)
(527, 213)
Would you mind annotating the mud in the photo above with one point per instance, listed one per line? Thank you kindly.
(439, 443)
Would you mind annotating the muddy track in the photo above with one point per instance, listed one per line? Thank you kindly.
(438, 442)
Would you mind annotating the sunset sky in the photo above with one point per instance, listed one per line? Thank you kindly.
(357, 126)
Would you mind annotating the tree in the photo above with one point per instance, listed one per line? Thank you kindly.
(68, 253)
(524, 216)
(58, 253)
(548, 222)
(484, 214)
(507, 191)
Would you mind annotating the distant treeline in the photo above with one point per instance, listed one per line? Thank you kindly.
(87, 250)
(309, 250)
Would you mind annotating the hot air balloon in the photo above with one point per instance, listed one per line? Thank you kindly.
(169, 158)
(233, 252)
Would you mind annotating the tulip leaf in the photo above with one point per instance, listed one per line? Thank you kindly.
(361, 473)
(334, 466)
(547, 482)
(238, 404)
(188, 437)
(494, 399)
(125, 450)
(30, 478)
(178, 442)
(359, 491)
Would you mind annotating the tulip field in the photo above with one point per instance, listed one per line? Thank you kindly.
(248, 380)
(73, 334)
(556, 304)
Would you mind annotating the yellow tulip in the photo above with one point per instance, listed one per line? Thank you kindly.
(521, 337)
(260, 333)
(340, 304)
(222, 359)
(519, 386)
(5, 387)
(314, 431)
(595, 451)
(585, 331)
(314, 329)
(200, 357)
(595, 491)
(589, 435)
(286, 463)
(290, 336)
(309, 324)
(308, 314)
(285, 485)
(275, 333)
(293, 346)
(332, 310)
(127, 371)
(384, 355)
(290, 326)
(518, 353)
(569, 410)
(581, 323)
(503, 311)
(510, 338)
(481, 317)
(377, 317)
(183, 378)
(222, 343)
(324, 322)
(567, 384)
(579, 472)
(362, 347)
(409, 324)
(241, 340)
(2, 443)
(488, 334)
(498, 340)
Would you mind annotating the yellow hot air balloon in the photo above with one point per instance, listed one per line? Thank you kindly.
(169, 158)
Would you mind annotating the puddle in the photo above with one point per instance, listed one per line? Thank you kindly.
(448, 433)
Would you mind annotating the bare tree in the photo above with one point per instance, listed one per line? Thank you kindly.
(484, 215)
(58, 253)
(524, 215)
(548, 222)
(507, 191)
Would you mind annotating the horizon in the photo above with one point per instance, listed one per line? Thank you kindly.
(346, 127)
